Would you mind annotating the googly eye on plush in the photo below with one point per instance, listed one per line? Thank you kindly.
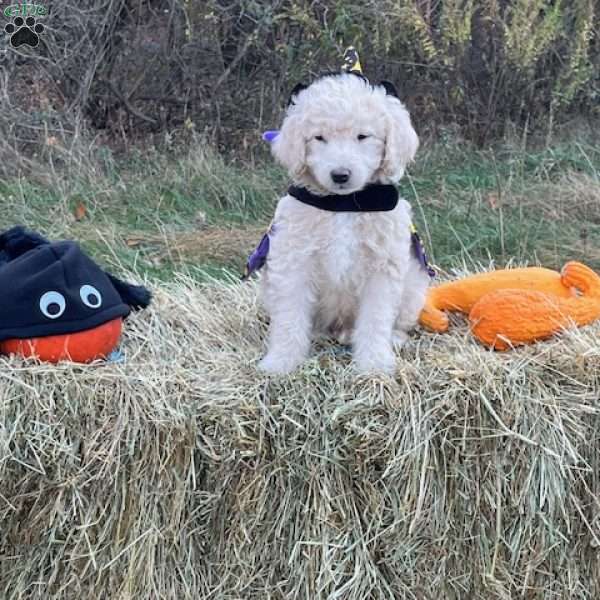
(90, 296)
(52, 304)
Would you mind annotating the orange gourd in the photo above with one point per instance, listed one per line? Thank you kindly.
(81, 347)
(518, 306)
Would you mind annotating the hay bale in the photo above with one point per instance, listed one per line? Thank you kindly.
(182, 473)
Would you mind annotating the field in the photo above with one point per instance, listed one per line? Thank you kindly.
(197, 213)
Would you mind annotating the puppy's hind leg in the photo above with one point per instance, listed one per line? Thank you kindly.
(412, 303)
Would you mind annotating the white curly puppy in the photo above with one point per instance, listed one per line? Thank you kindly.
(333, 270)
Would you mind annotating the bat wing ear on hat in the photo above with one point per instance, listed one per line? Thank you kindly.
(390, 88)
(17, 241)
(297, 89)
(136, 296)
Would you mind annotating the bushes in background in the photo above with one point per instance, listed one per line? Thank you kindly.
(127, 70)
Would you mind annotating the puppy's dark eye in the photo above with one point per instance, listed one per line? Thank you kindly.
(319, 138)
(361, 137)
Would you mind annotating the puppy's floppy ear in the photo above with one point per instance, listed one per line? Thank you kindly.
(289, 147)
(401, 139)
(297, 89)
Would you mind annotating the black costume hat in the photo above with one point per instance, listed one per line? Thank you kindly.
(54, 288)
(350, 66)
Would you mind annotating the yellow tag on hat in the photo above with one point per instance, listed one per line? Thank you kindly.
(351, 60)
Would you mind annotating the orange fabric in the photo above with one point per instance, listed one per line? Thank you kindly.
(517, 306)
(461, 295)
(509, 318)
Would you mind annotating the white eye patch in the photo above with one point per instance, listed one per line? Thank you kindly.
(52, 304)
(90, 296)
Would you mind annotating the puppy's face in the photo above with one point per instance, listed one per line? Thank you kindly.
(343, 157)
(341, 133)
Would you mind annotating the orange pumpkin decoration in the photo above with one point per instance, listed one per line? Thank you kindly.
(81, 347)
(57, 303)
(517, 306)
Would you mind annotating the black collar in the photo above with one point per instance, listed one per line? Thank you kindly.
(374, 198)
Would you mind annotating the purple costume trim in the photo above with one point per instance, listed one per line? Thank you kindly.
(269, 136)
(420, 254)
(259, 256)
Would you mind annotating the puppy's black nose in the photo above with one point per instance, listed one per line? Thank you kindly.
(340, 175)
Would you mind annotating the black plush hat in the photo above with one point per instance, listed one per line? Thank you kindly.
(54, 288)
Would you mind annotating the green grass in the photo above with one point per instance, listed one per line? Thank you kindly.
(506, 205)
(472, 206)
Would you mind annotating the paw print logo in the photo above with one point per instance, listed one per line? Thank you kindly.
(24, 31)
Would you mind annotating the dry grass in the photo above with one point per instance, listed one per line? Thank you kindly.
(218, 244)
(183, 473)
(574, 197)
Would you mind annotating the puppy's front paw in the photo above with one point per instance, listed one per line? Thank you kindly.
(279, 365)
(380, 363)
